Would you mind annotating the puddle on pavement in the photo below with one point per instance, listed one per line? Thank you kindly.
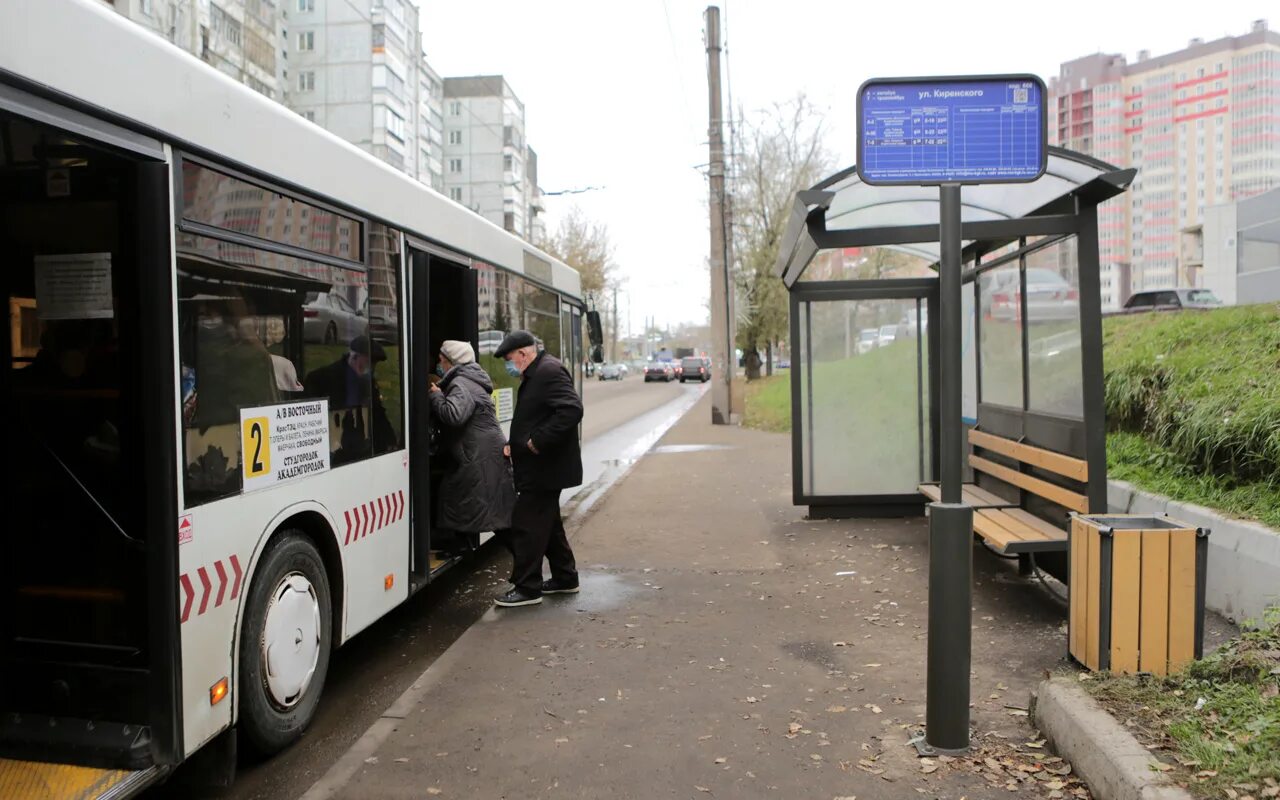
(601, 591)
(819, 653)
(690, 448)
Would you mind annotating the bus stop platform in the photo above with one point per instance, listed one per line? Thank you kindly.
(723, 645)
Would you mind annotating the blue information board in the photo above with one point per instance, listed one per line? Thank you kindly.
(926, 131)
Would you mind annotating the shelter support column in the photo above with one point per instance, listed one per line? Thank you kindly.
(1095, 407)
(950, 522)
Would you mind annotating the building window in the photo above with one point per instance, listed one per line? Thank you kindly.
(145, 7)
(310, 116)
(307, 40)
(455, 165)
(395, 124)
(455, 194)
(507, 163)
(455, 108)
(306, 81)
(306, 5)
(455, 137)
(224, 25)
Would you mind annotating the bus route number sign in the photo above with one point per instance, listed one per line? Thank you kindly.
(283, 442)
(930, 131)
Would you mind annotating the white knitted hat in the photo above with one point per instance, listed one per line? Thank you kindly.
(458, 352)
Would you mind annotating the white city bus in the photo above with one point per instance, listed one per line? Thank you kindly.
(222, 320)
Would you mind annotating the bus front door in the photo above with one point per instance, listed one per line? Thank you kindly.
(443, 305)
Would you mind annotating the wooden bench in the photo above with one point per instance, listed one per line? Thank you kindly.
(1006, 527)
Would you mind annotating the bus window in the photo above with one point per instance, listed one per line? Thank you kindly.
(259, 328)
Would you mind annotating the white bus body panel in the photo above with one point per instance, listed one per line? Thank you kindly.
(220, 562)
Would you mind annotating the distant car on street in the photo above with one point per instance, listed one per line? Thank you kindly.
(611, 372)
(328, 318)
(489, 341)
(659, 371)
(694, 369)
(888, 334)
(1170, 299)
(867, 340)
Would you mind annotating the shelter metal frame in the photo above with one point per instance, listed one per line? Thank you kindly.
(1060, 205)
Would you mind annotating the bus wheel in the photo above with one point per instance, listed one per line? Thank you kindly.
(284, 649)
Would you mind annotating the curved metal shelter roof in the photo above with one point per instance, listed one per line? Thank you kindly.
(842, 211)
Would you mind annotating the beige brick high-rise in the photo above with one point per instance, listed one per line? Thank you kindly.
(1202, 125)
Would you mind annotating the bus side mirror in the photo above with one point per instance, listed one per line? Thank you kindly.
(595, 333)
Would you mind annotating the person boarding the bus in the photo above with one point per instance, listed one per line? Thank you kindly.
(477, 493)
(546, 457)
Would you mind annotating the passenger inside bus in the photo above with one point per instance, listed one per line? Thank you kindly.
(355, 401)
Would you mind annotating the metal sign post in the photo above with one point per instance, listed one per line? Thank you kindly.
(947, 132)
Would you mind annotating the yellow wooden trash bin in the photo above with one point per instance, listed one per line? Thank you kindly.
(1136, 592)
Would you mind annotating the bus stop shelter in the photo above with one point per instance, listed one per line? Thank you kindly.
(860, 263)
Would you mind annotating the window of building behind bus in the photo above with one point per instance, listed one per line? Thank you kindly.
(258, 329)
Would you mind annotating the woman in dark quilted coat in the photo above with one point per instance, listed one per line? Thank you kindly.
(477, 493)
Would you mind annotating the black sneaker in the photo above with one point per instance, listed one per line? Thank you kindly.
(515, 597)
(556, 587)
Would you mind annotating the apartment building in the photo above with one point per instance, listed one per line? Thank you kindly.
(489, 166)
(1201, 125)
(238, 37)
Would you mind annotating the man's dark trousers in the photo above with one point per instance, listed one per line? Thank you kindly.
(537, 529)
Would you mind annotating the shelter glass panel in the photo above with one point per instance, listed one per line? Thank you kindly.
(862, 398)
(867, 263)
(1053, 330)
(1000, 346)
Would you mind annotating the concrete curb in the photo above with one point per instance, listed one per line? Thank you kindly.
(1114, 764)
(1244, 557)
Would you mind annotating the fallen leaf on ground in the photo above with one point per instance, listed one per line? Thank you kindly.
(702, 789)
(402, 761)
(721, 760)
(562, 740)
(434, 790)
(371, 760)
(752, 700)
(836, 709)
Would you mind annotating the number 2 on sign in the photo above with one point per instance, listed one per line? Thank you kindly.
(257, 447)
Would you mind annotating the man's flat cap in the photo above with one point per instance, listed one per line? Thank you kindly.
(514, 341)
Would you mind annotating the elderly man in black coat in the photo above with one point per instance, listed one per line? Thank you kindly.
(546, 457)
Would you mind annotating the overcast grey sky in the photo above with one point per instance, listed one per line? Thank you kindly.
(615, 92)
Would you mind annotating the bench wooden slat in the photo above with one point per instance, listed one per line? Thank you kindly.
(992, 499)
(1063, 497)
(1063, 465)
(1024, 530)
(995, 533)
(1011, 536)
(969, 495)
(1028, 518)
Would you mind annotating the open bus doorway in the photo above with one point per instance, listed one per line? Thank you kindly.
(89, 550)
(443, 308)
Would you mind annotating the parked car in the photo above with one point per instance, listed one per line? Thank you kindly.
(694, 369)
(867, 339)
(659, 371)
(611, 372)
(887, 335)
(1049, 297)
(384, 323)
(328, 318)
(489, 341)
(1169, 299)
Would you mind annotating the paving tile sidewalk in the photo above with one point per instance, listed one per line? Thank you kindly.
(715, 652)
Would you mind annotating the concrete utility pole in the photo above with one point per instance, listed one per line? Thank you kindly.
(613, 343)
(721, 318)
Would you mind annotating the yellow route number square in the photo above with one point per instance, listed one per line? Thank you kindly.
(256, 436)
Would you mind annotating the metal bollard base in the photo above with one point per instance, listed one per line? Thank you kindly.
(950, 627)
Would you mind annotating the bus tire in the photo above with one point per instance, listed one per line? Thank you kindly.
(285, 645)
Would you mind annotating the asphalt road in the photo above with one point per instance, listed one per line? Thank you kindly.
(374, 668)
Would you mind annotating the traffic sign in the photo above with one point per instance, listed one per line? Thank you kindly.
(930, 131)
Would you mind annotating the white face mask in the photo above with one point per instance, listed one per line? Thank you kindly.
(211, 323)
